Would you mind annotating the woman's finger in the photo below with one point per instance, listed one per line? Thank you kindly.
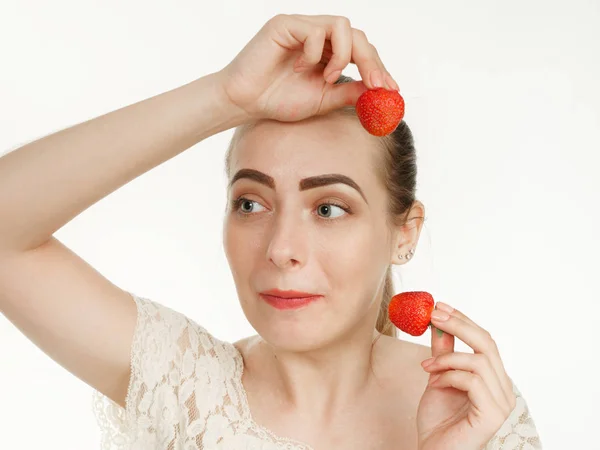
(495, 358)
(455, 312)
(351, 45)
(441, 343)
(478, 392)
(477, 364)
(312, 37)
(337, 50)
(484, 343)
(370, 66)
(388, 79)
(338, 96)
(347, 44)
(294, 33)
(341, 48)
(367, 61)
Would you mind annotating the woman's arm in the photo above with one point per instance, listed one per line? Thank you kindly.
(46, 183)
(58, 301)
(63, 305)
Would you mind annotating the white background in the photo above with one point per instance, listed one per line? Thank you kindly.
(503, 99)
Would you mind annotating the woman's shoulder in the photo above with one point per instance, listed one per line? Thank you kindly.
(175, 339)
(174, 362)
(395, 354)
(398, 363)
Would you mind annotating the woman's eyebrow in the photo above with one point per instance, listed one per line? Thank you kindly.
(255, 175)
(305, 183)
(330, 178)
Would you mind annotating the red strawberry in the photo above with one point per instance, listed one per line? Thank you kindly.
(411, 311)
(380, 111)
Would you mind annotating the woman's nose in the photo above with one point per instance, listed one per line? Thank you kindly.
(287, 242)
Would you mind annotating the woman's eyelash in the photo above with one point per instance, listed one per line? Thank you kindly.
(235, 206)
(339, 205)
(238, 201)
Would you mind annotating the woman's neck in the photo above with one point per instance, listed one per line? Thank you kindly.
(325, 381)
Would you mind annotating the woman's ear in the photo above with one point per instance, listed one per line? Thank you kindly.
(406, 236)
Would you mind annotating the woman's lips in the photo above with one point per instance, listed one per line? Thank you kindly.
(288, 302)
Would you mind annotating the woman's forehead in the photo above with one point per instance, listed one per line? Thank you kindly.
(323, 145)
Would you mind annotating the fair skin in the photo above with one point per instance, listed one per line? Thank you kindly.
(315, 362)
(45, 184)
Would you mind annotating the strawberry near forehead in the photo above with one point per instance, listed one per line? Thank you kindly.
(380, 111)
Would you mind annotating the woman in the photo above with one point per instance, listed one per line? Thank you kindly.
(318, 210)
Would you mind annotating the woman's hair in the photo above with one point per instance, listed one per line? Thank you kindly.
(398, 172)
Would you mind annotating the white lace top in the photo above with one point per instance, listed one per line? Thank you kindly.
(186, 393)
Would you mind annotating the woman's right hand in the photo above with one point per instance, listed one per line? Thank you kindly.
(288, 70)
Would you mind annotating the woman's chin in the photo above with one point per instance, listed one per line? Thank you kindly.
(310, 327)
(294, 336)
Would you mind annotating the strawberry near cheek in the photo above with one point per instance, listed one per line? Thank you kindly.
(411, 311)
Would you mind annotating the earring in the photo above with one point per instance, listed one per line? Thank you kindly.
(409, 255)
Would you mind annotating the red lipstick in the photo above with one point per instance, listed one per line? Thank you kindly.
(288, 299)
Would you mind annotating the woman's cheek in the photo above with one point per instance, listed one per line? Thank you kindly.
(351, 251)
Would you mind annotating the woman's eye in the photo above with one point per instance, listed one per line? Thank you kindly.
(246, 206)
(326, 210)
(330, 210)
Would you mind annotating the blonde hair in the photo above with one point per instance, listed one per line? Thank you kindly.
(398, 172)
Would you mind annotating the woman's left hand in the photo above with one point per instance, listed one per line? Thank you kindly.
(469, 395)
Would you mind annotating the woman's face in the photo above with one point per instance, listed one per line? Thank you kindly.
(293, 230)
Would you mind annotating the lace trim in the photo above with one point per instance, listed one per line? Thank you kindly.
(518, 431)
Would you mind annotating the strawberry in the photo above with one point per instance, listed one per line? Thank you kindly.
(411, 311)
(380, 111)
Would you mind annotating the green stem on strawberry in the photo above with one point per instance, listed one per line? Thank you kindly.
(439, 332)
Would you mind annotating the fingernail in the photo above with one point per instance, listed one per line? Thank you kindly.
(333, 76)
(391, 83)
(376, 78)
(440, 315)
(428, 362)
(444, 307)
